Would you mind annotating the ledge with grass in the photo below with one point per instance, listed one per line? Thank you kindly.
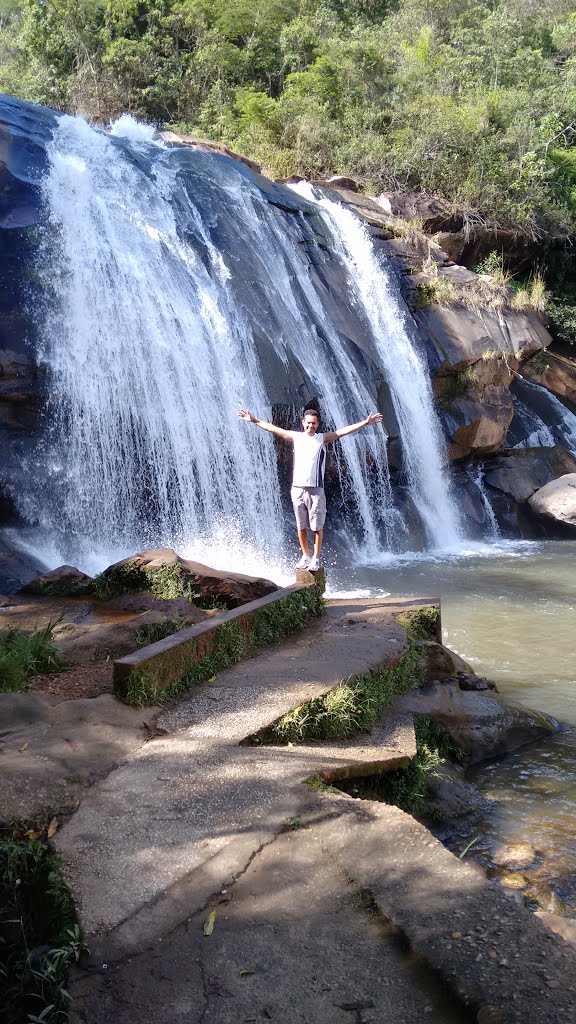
(173, 665)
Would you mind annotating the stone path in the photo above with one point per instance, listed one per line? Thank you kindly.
(151, 842)
(192, 813)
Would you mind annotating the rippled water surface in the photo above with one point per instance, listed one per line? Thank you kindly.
(511, 612)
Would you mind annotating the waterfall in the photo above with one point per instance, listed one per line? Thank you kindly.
(149, 362)
(476, 477)
(161, 267)
(540, 419)
(405, 371)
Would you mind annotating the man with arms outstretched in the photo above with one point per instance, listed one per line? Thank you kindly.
(308, 498)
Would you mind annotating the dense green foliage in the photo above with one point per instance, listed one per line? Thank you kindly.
(39, 937)
(472, 99)
(24, 654)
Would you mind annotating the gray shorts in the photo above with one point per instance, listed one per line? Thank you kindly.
(309, 505)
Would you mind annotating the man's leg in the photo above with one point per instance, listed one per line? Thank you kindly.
(303, 538)
(318, 536)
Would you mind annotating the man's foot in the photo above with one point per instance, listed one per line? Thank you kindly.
(314, 564)
(303, 563)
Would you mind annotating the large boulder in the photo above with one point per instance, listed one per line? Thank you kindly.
(471, 245)
(168, 575)
(482, 723)
(520, 472)
(431, 212)
(475, 406)
(64, 581)
(16, 566)
(555, 504)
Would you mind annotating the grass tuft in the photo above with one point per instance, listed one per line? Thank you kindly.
(151, 632)
(351, 707)
(25, 654)
(40, 936)
(420, 623)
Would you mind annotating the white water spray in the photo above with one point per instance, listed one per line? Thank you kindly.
(149, 363)
(406, 373)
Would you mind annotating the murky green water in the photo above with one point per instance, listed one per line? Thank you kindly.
(511, 612)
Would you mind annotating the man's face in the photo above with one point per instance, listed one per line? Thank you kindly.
(310, 424)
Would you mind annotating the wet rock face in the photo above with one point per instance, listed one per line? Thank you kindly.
(559, 375)
(555, 505)
(518, 473)
(24, 132)
(16, 567)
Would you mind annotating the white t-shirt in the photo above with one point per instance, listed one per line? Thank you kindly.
(309, 459)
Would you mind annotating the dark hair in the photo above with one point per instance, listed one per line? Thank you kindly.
(311, 409)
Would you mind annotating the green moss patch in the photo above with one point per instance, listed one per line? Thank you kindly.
(221, 647)
(420, 623)
(39, 935)
(351, 707)
(165, 582)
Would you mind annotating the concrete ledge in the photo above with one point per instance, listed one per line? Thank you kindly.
(160, 665)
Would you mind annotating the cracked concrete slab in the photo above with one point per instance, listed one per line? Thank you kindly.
(496, 956)
(294, 942)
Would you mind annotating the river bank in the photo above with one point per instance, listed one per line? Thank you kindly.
(508, 609)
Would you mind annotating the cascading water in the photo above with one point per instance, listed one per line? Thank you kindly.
(162, 267)
(142, 344)
(540, 419)
(476, 476)
(406, 373)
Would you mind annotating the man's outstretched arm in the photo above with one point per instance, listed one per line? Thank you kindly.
(271, 427)
(334, 435)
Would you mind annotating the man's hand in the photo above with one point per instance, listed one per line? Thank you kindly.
(270, 427)
(373, 417)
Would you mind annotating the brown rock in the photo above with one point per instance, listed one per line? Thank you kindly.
(564, 926)
(337, 181)
(555, 503)
(83, 643)
(559, 377)
(440, 661)
(162, 567)
(434, 213)
(64, 581)
(516, 856)
(477, 427)
(472, 245)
